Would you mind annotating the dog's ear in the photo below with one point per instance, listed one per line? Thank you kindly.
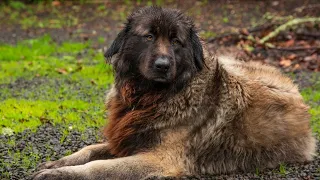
(197, 50)
(116, 45)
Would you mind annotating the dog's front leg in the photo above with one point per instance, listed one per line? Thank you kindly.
(86, 154)
(132, 167)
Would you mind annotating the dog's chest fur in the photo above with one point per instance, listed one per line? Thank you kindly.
(136, 128)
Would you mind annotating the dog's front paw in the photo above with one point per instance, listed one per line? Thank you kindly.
(51, 165)
(50, 174)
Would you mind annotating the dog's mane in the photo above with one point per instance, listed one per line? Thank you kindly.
(130, 112)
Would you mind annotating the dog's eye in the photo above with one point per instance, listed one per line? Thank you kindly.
(149, 37)
(175, 42)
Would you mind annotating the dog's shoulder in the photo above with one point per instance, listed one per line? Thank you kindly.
(257, 73)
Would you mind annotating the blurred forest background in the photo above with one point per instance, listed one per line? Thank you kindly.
(53, 76)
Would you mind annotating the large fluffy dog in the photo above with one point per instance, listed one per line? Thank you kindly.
(174, 111)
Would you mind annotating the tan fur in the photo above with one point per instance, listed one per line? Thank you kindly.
(231, 116)
(140, 30)
(163, 46)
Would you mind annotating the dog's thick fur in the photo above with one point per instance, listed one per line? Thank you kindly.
(201, 115)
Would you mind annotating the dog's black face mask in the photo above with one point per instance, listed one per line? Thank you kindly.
(157, 46)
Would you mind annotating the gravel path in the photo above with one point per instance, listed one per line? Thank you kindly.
(46, 143)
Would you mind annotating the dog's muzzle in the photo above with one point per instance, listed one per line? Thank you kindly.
(162, 64)
(162, 67)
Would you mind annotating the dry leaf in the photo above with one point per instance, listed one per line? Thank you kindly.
(244, 32)
(289, 43)
(62, 71)
(311, 58)
(285, 62)
(296, 67)
(93, 82)
(55, 3)
(292, 56)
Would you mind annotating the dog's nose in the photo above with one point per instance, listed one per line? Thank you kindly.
(162, 64)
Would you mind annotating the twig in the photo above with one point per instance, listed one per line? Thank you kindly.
(211, 40)
(263, 27)
(285, 26)
(240, 32)
(315, 35)
(300, 9)
(296, 48)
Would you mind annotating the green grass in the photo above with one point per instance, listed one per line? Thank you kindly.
(28, 16)
(283, 169)
(207, 34)
(21, 114)
(57, 83)
(44, 58)
(312, 96)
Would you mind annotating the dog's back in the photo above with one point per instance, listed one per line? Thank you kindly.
(234, 116)
(259, 121)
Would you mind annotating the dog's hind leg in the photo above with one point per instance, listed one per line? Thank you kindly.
(85, 155)
(135, 167)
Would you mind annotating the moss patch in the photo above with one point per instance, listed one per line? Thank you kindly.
(21, 114)
(44, 58)
(312, 97)
(45, 82)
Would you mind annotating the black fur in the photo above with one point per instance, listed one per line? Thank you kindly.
(135, 54)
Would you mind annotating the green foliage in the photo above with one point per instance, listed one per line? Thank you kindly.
(257, 172)
(207, 34)
(282, 169)
(312, 96)
(17, 5)
(225, 19)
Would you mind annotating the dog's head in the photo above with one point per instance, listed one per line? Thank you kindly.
(157, 45)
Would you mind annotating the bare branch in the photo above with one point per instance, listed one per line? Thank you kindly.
(287, 25)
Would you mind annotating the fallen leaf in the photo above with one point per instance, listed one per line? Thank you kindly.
(41, 57)
(289, 43)
(244, 31)
(296, 67)
(55, 3)
(292, 56)
(285, 62)
(44, 120)
(23, 120)
(93, 82)
(62, 71)
(275, 3)
(311, 58)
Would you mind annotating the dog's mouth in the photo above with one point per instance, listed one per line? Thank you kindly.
(161, 80)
